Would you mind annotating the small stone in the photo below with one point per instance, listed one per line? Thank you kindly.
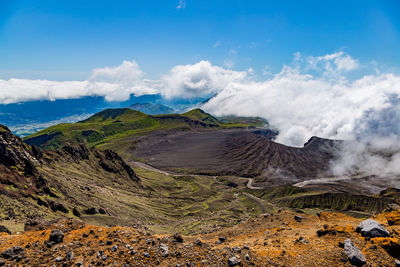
(298, 218)
(178, 237)
(198, 242)
(236, 249)
(79, 264)
(233, 261)
(147, 255)
(397, 263)
(104, 257)
(247, 257)
(265, 215)
(109, 242)
(70, 255)
(114, 248)
(59, 259)
(222, 239)
(164, 250)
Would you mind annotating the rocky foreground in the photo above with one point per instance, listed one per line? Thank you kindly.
(284, 238)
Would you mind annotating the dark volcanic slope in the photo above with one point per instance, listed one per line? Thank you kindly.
(237, 152)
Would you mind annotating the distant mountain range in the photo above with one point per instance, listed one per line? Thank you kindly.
(152, 109)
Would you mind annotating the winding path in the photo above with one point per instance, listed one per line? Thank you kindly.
(151, 168)
(260, 202)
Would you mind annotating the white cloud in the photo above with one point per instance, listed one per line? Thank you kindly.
(121, 81)
(332, 63)
(181, 4)
(200, 79)
(299, 104)
(115, 84)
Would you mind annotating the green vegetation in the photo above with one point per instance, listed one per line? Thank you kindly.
(313, 199)
(111, 128)
(200, 115)
(252, 121)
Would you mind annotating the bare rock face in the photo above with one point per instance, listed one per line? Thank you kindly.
(372, 228)
(108, 160)
(16, 154)
(355, 256)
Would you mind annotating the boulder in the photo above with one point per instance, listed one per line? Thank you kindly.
(12, 253)
(56, 236)
(372, 228)
(353, 253)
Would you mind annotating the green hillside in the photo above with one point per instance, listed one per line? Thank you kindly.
(113, 128)
(200, 115)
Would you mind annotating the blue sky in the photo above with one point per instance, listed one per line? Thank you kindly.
(325, 68)
(66, 40)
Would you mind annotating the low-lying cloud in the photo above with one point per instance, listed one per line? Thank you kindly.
(114, 83)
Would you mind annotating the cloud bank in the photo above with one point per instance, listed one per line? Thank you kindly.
(114, 83)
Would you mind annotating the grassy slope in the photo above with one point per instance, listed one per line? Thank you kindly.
(111, 128)
(163, 203)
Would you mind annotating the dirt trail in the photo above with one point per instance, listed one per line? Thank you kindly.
(151, 168)
(259, 201)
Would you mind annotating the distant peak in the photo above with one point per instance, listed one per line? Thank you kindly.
(111, 113)
(151, 108)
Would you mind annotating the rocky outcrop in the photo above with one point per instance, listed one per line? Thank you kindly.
(107, 160)
(16, 155)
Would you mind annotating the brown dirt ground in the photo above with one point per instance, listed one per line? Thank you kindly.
(276, 240)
